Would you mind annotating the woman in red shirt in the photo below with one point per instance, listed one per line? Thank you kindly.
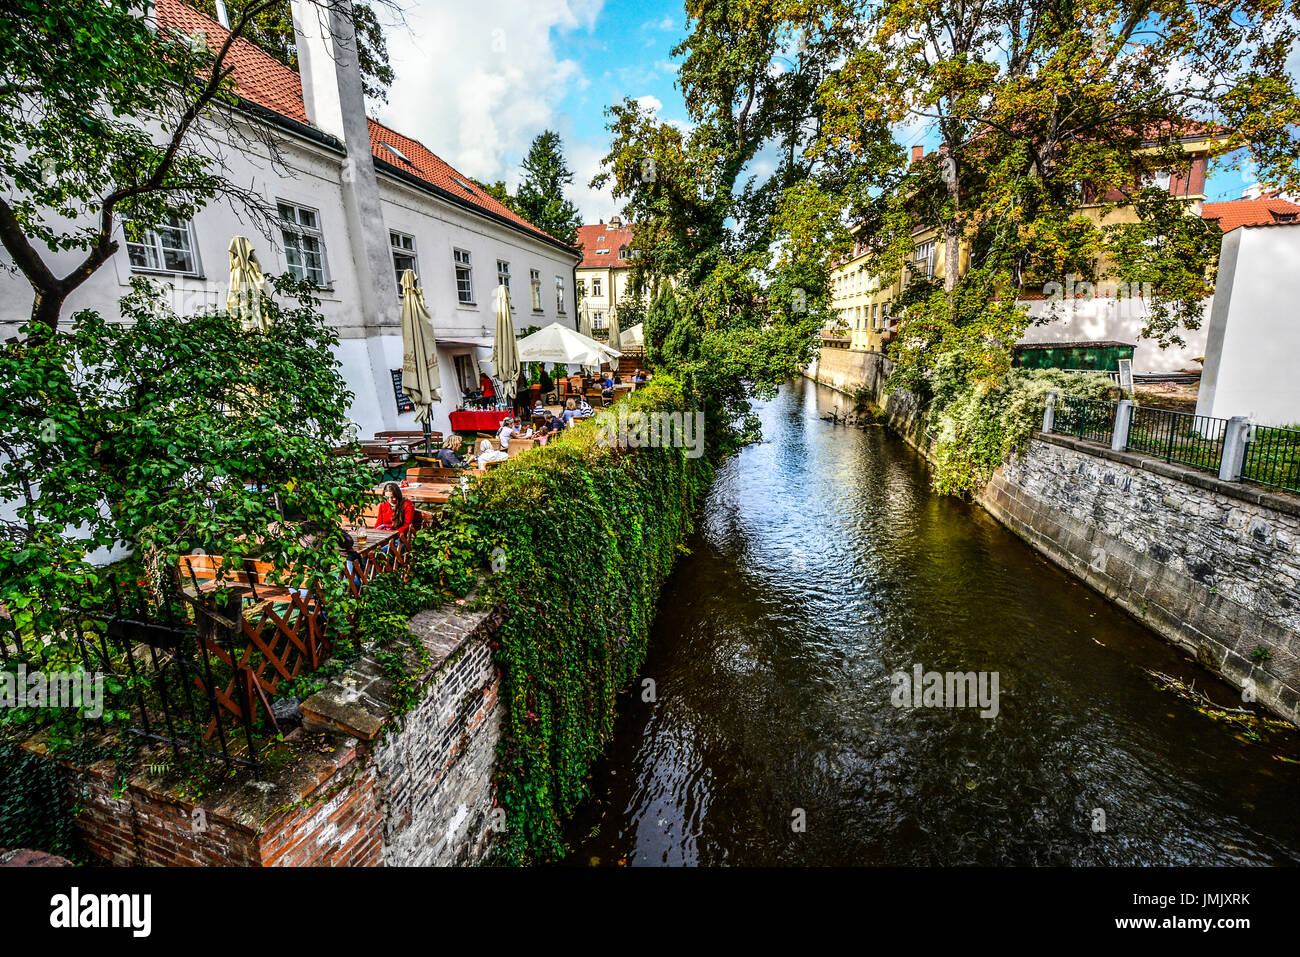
(394, 505)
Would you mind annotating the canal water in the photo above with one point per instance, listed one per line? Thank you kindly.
(823, 564)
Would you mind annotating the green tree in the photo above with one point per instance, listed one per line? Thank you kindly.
(105, 120)
(540, 197)
(499, 192)
(178, 433)
(1044, 108)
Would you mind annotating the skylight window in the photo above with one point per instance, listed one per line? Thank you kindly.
(398, 153)
(464, 185)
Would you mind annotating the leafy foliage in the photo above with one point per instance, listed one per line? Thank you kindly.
(975, 425)
(587, 535)
(540, 198)
(167, 434)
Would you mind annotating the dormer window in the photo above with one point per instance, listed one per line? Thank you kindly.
(398, 153)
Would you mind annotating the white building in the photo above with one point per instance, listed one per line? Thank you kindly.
(1251, 367)
(359, 203)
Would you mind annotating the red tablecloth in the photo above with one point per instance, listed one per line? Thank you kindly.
(477, 420)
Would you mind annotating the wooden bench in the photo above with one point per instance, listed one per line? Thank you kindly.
(438, 473)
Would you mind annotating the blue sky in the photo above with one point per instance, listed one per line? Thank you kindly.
(477, 81)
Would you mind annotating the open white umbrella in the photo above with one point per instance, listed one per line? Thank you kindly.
(505, 353)
(633, 337)
(559, 343)
(420, 378)
(244, 301)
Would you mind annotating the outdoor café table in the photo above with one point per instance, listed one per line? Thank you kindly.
(477, 420)
(375, 538)
(438, 493)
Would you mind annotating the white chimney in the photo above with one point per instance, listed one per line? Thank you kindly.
(335, 103)
(223, 17)
(318, 56)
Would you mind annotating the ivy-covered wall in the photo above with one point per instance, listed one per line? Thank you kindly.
(581, 536)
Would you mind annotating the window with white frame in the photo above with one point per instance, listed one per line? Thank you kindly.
(535, 282)
(464, 276)
(595, 287)
(403, 255)
(168, 248)
(598, 320)
(559, 294)
(304, 244)
(503, 274)
(925, 260)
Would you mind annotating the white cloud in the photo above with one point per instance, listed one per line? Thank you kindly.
(475, 82)
(650, 103)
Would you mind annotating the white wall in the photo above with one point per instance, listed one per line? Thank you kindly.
(1252, 364)
(1119, 320)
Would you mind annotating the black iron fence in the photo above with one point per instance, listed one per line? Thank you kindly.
(1087, 418)
(1273, 458)
(1232, 448)
(1194, 440)
(166, 662)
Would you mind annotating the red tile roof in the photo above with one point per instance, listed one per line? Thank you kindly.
(592, 239)
(1250, 212)
(265, 81)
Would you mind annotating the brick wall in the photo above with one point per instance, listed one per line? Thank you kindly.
(360, 788)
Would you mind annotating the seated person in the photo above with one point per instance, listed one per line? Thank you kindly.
(640, 377)
(487, 454)
(395, 512)
(539, 409)
(607, 385)
(509, 429)
(584, 408)
(449, 455)
(553, 424)
(568, 415)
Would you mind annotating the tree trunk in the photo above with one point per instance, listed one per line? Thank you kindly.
(46, 308)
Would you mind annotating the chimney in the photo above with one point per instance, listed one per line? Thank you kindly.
(223, 18)
(616, 222)
(335, 104)
(917, 153)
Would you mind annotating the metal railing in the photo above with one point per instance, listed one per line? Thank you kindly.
(1273, 458)
(1233, 448)
(1087, 418)
(1194, 440)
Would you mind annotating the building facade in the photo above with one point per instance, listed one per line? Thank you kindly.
(354, 203)
(605, 271)
(1068, 310)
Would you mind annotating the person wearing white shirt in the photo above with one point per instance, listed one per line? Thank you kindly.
(487, 455)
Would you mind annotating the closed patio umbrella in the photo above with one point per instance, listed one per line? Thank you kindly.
(615, 340)
(505, 351)
(244, 301)
(420, 378)
(585, 327)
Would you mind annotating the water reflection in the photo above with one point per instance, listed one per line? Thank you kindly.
(822, 564)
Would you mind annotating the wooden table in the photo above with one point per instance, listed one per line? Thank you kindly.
(437, 493)
(375, 538)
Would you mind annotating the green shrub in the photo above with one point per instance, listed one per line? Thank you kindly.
(587, 534)
(975, 425)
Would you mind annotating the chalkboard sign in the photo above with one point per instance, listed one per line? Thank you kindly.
(404, 403)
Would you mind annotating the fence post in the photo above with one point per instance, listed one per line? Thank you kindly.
(1123, 419)
(1234, 448)
(1049, 413)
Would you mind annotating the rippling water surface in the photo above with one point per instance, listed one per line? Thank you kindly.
(822, 564)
